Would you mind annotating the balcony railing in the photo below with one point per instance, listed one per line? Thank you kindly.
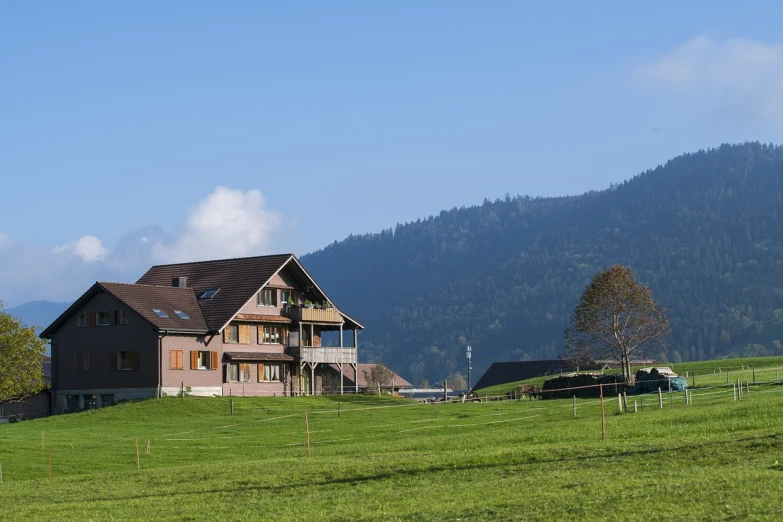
(327, 355)
(313, 315)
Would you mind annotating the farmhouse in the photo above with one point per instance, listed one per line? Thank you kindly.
(392, 384)
(250, 326)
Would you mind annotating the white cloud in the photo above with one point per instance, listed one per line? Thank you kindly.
(744, 76)
(228, 223)
(89, 248)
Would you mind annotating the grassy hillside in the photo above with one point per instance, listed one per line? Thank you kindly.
(708, 373)
(389, 459)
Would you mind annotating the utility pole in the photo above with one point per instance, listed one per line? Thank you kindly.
(470, 364)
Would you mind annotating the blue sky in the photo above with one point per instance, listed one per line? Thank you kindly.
(148, 132)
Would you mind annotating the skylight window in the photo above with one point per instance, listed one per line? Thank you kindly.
(209, 294)
(181, 314)
(160, 313)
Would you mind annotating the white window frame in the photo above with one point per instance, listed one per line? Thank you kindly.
(207, 357)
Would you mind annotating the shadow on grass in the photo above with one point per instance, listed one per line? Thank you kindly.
(750, 443)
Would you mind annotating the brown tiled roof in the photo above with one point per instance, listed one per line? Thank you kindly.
(144, 298)
(263, 318)
(258, 356)
(237, 279)
(363, 372)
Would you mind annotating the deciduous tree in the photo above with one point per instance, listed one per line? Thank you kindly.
(21, 359)
(616, 318)
(379, 374)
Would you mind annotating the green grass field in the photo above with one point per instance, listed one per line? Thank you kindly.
(389, 459)
(708, 373)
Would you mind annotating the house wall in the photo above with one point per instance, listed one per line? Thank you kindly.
(209, 383)
(204, 383)
(100, 342)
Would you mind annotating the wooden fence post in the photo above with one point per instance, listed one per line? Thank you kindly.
(693, 380)
(603, 419)
(660, 398)
(735, 392)
(232, 406)
(573, 400)
(634, 407)
(620, 401)
(307, 430)
(138, 464)
(1, 473)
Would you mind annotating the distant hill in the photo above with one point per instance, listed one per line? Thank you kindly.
(38, 313)
(705, 231)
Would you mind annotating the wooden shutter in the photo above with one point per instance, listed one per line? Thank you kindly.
(112, 360)
(175, 359)
(113, 316)
(134, 360)
(259, 334)
(260, 373)
(92, 318)
(180, 359)
(244, 334)
(227, 334)
(194, 359)
(215, 361)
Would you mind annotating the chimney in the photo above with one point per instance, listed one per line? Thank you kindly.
(179, 282)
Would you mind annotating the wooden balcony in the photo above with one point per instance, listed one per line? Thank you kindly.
(325, 355)
(313, 315)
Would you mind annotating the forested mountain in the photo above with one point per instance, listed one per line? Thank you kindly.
(705, 231)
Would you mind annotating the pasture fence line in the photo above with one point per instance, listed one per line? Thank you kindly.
(481, 414)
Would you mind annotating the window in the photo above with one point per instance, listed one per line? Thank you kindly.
(177, 360)
(272, 335)
(90, 402)
(204, 360)
(160, 313)
(107, 399)
(231, 334)
(71, 402)
(209, 294)
(125, 360)
(237, 372)
(270, 372)
(104, 318)
(81, 321)
(82, 362)
(124, 317)
(287, 296)
(267, 297)
(181, 314)
(307, 338)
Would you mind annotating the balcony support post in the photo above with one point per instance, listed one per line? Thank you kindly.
(341, 335)
(312, 334)
(356, 376)
(341, 376)
(312, 380)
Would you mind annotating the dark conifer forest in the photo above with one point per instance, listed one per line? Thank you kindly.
(704, 231)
